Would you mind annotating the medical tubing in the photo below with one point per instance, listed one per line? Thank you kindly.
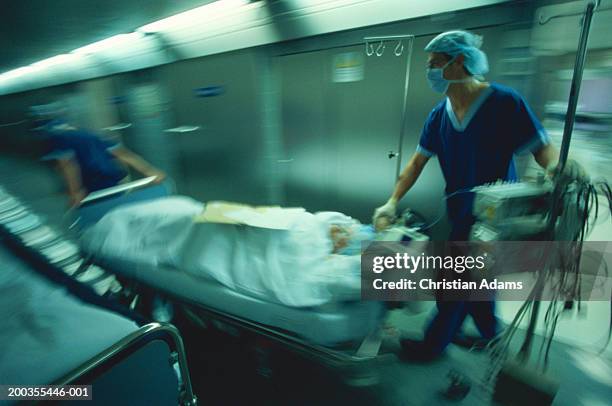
(445, 198)
(567, 271)
(575, 85)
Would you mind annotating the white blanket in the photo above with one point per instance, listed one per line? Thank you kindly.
(294, 267)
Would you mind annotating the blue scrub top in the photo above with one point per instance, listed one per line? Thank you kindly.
(99, 169)
(480, 149)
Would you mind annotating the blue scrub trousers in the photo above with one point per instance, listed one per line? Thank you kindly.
(447, 322)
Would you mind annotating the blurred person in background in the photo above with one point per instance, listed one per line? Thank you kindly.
(85, 161)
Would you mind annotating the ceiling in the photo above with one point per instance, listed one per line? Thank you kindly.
(31, 30)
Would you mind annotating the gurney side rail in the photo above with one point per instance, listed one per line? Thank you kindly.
(126, 346)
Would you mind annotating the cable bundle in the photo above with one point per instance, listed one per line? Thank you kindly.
(577, 216)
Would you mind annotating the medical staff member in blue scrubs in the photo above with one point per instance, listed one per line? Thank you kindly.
(474, 132)
(85, 160)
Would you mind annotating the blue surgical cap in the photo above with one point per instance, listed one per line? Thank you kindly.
(458, 42)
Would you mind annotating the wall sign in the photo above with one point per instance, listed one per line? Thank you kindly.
(348, 67)
(117, 100)
(209, 91)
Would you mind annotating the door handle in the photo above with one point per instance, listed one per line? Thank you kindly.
(118, 127)
(392, 154)
(183, 129)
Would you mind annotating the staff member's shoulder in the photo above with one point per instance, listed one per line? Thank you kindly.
(509, 96)
(528, 134)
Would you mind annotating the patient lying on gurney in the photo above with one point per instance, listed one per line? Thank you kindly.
(288, 256)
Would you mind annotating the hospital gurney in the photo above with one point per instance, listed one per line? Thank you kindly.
(52, 337)
(345, 336)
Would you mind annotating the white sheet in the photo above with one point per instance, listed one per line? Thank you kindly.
(293, 267)
(328, 325)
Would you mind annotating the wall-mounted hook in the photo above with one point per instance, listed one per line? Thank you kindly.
(399, 48)
(369, 49)
(380, 49)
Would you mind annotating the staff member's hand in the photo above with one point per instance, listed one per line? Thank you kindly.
(572, 171)
(387, 210)
(76, 197)
(159, 176)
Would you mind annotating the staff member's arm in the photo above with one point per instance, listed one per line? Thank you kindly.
(71, 172)
(407, 179)
(548, 158)
(530, 134)
(135, 161)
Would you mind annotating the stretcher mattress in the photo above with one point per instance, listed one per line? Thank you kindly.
(294, 267)
(327, 325)
(45, 332)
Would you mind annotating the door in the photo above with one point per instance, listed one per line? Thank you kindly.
(341, 114)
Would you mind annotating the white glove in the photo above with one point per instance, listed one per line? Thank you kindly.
(572, 171)
(386, 210)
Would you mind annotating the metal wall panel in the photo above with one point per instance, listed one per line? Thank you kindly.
(338, 134)
(309, 152)
(222, 160)
(143, 103)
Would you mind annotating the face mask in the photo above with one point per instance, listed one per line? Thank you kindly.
(435, 77)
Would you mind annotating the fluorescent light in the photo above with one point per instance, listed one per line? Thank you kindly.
(201, 14)
(15, 73)
(39, 66)
(107, 43)
(55, 60)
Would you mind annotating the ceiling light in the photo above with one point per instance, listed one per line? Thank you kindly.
(55, 60)
(201, 14)
(107, 43)
(15, 73)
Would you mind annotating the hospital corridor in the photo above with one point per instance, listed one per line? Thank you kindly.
(306, 202)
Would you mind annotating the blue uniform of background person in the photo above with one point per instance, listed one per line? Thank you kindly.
(99, 168)
(478, 150)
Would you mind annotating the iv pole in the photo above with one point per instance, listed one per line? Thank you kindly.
(369, 47)
(567, 137)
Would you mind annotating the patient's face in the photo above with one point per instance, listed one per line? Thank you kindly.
(340, 237)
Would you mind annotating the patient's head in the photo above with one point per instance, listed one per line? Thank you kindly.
(340, 236)
(346, 234)
(340, 228)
